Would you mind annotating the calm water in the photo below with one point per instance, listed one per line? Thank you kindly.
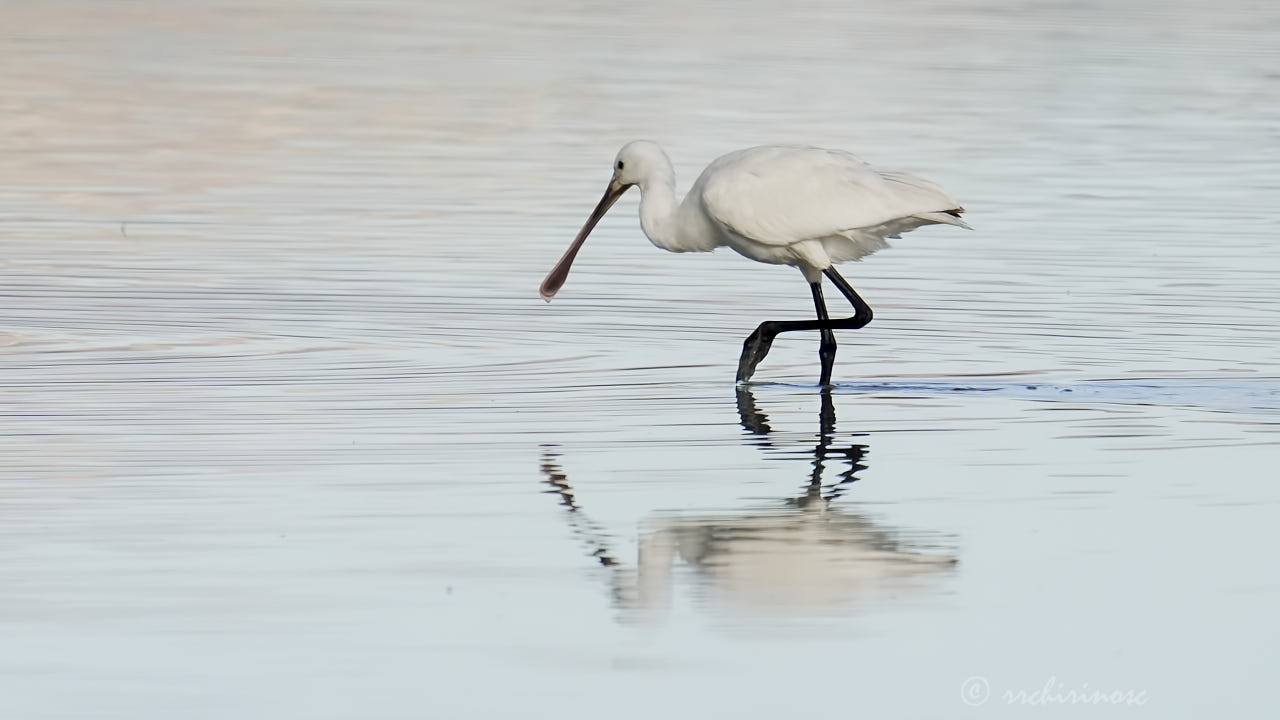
(287, 432)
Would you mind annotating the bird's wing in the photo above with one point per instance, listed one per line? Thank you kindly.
(780, 195)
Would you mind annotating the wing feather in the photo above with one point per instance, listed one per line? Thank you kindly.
(781, 195)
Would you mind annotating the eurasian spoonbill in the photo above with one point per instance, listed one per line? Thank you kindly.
(806, 207)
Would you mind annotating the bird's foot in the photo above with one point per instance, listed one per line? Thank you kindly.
(754, 349)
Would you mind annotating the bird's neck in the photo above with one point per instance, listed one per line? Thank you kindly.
(660, 216)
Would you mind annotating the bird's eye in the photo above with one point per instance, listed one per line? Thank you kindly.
(619, 164)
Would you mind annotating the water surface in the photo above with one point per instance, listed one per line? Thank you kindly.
(287, 431)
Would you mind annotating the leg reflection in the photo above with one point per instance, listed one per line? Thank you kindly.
(756, 422)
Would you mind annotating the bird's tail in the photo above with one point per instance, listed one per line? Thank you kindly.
(946, 217)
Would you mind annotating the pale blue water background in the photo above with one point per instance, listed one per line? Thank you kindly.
(287, 432)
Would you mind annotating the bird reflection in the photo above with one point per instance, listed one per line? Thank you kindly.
(805, 553)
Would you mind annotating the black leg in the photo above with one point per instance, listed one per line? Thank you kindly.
(861, 310)
(757, 344)
(826, 350)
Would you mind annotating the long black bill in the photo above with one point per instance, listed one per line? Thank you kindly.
(555, 278)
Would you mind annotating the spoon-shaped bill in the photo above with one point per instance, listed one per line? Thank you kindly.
(555, 278)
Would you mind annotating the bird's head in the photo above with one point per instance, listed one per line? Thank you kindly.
(639, 162)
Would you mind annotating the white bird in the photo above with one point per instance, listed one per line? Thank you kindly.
(806, 207)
